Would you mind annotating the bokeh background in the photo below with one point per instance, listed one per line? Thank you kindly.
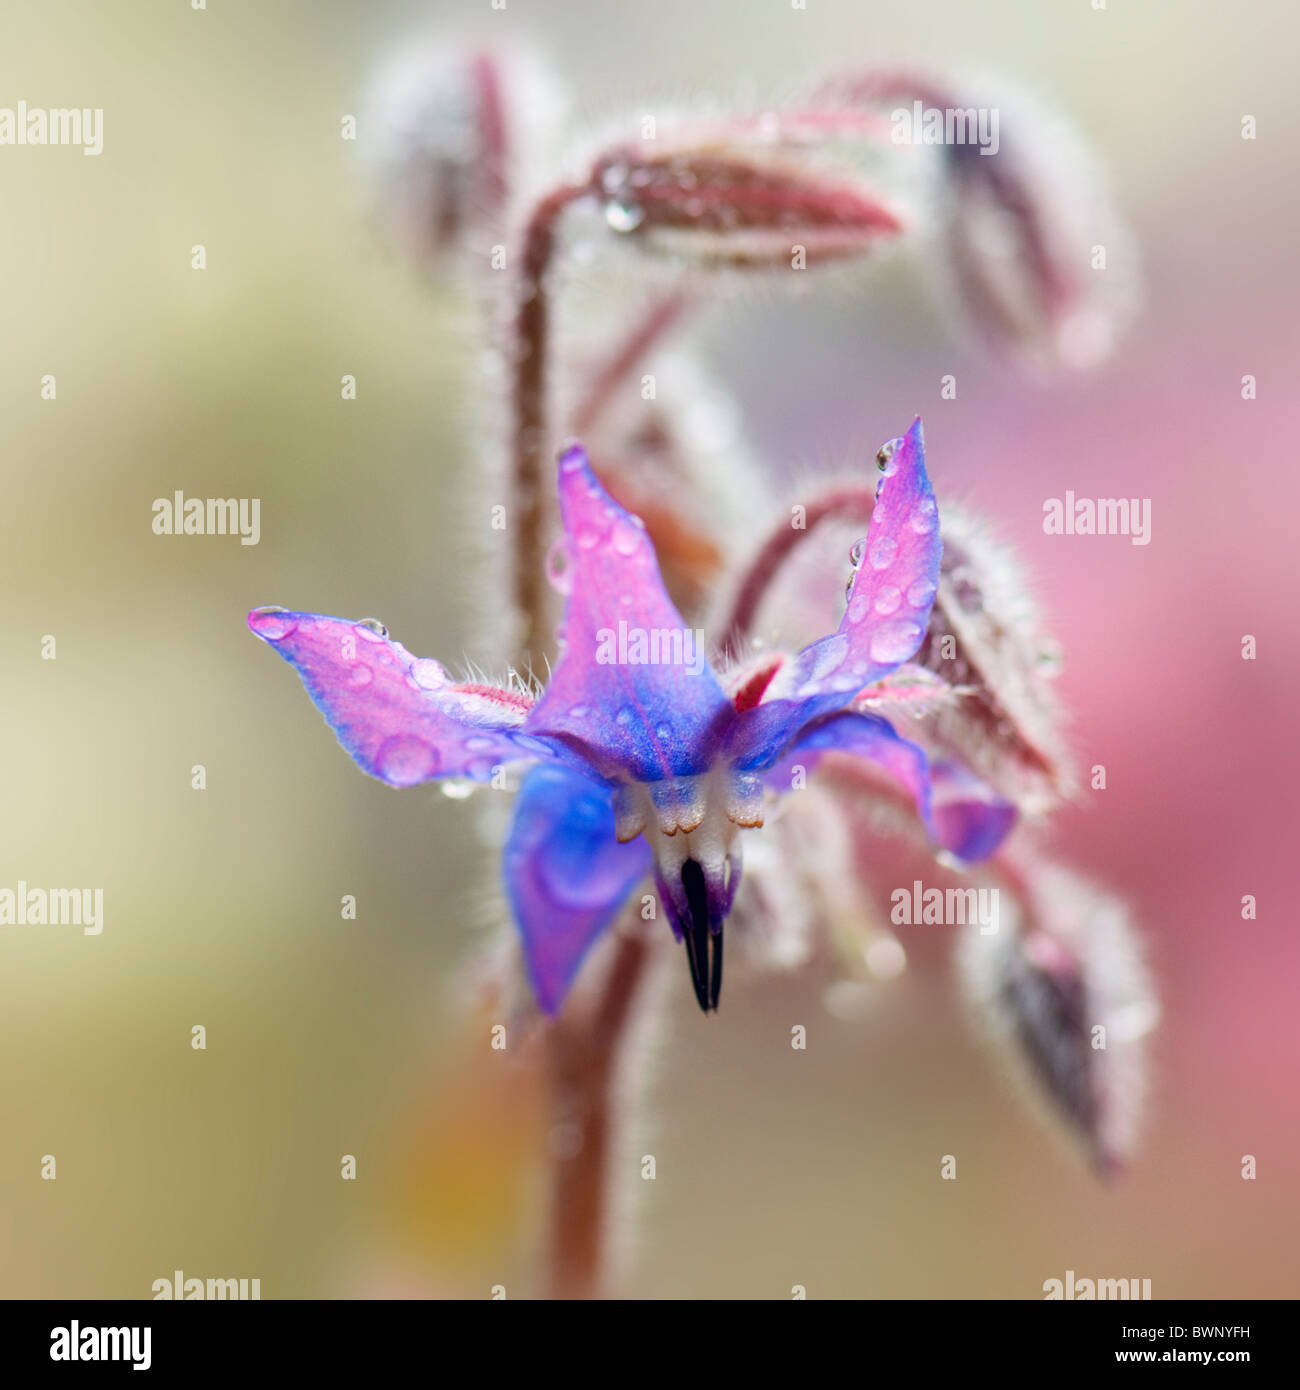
(328, 1037)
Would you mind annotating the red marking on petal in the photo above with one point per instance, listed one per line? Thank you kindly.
(750, 692)
(510, 699)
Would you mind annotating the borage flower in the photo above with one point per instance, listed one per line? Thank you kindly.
(640, 757)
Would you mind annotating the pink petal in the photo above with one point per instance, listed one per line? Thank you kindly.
(566, 874)
(632, 686)
(400, 718)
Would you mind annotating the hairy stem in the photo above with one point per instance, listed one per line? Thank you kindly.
(583, 1052)
(529, 390)
(661, 317)
(853, 503)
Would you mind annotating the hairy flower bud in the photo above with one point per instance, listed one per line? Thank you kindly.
(445, 130)
(754, 193)
(985, 640)
(1063, 989)
(1033, 247)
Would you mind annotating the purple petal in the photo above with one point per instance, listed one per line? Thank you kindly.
(400, 718)
(565, 873)
(886, 618)
(969, 824)
(972, 819)
(632, 685)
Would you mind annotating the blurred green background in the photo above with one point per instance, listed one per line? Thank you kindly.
(327, 1037)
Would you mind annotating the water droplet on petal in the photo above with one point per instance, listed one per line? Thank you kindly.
(458, 788)
(360, 675)
(626, 716)
(858, 608)
(921, 594)
(371, 629)
(405, 760)
(479, 743)
(895, 642)
(925, 518)
(428, 674)
(883, 550)
(588, 538)
(272, 622)
(888, 600)
(627, 537)
(855, 552)
(558, 569)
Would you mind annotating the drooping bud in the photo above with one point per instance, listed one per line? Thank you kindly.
(753, 193)
(1062, 987)
(985, 640)
(1034, 248)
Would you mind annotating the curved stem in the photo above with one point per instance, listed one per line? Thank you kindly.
(529, 387)
(852, 503)
(661, 317)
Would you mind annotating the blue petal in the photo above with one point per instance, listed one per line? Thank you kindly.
(565, 873)
(632, 687)
(962, 814)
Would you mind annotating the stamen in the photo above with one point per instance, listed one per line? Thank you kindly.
(705, 977)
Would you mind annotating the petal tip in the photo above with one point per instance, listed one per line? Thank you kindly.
(573, 458)
(272, 623)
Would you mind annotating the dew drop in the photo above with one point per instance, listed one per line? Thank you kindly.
(925, 517)
(921, 594)
(428, 674)
(371, 629)
(888, 600)
(855, 552)
(627, 537)
(588, 538)
(623, 215)
(626, 716)
(613, 177)
(895, 641)
(1050, 658)
(858, 608)
(558, 569)
(360, 675)
(458, 789)
(272, 622)
(479, 743)
(405, 760)
(883, 550)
